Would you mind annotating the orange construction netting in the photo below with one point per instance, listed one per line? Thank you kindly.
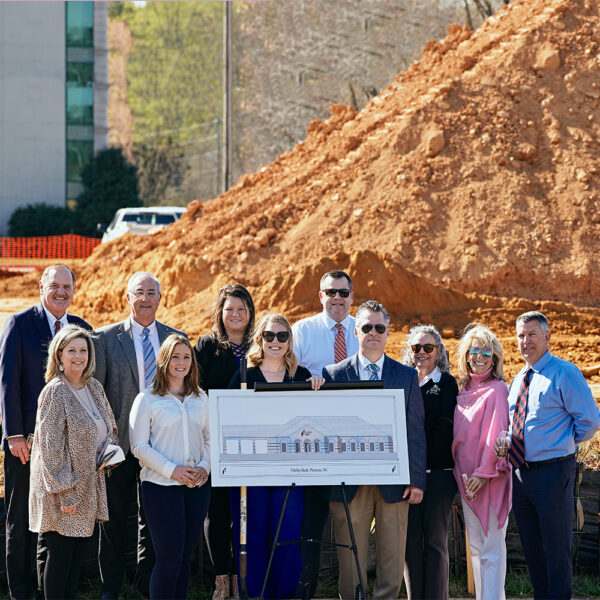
(23, 254)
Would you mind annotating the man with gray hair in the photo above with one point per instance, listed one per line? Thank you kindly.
(126, 354)
(387, 503)
(552, 410)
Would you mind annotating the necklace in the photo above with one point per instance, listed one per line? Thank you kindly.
(86, 401)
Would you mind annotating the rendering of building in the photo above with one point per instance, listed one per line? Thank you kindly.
(53, 100)
(336, 436)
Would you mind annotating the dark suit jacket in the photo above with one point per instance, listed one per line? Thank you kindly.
(23, 356)
(117, 371)
(395, 376)
(215, 369)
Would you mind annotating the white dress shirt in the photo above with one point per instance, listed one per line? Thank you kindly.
(137, 331)
(52, 320)
(363, 363)
(165, 432)
(434, 376)
(314, 339)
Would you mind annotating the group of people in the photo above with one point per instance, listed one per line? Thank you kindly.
(66, 392)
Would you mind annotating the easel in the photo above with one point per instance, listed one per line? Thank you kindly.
(361, 591)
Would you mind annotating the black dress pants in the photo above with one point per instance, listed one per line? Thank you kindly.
(20, 542)
(316, 511)
(64, 556)
(218, 532)
(122, 489)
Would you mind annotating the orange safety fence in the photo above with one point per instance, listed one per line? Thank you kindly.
(22, 254)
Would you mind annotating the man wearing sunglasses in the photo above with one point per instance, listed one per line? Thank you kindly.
(551, 410)
(387, 503)
(322, 340)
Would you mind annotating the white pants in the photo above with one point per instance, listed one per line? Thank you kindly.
(488, 554)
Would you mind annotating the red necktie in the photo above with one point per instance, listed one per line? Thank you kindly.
(517, 446)
(339, 346)
(57, 326)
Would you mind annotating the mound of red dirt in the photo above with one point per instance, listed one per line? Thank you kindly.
(474, 172)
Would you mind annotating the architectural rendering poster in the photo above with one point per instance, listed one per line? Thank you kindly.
(308, 437)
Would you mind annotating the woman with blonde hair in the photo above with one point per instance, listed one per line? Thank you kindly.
(484, 481)
(67, 495)
(272, 359)
(169, 434)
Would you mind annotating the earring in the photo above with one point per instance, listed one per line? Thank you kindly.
(61, 367)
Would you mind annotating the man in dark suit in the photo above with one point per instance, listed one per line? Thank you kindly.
(126, 354)
(23, 354)
(387, 503)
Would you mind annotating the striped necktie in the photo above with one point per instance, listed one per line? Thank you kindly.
(339, 345)
(516, 454)
(57, 326)
(149, 358)
(374, 370)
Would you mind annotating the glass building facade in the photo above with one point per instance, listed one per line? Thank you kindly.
(79, 33)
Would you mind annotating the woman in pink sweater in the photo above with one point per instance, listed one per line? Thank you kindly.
(483, 480)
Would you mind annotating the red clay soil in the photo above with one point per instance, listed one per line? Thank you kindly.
(468, 189)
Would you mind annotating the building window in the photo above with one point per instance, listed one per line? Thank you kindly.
(344, 446)
(283, 447)
(380, 446)
(80, 23)
(317, 446)
(330, 446)
(79, 92)
(306, 446)
(372, 446)
(353, 446)
(297, 446)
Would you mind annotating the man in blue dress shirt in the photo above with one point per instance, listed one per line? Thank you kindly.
(552, 410)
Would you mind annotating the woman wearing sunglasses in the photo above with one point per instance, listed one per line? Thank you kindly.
(483, 481)
(426, 567)
(272, 360)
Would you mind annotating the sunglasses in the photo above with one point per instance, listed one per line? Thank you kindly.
(379, 328)
(331, 292)
(474, 351)
(429, 348)
(282, 336)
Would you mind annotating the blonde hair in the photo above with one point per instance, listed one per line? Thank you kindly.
(62, 339)
(479, 332)
(256, 354)
(160, 385)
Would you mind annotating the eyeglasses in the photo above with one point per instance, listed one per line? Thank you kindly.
(139, 293)
(379, 328)
(429, 348)
(474, 351)
(282, 336)
(331, 292)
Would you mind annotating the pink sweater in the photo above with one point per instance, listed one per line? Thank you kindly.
(481, 414)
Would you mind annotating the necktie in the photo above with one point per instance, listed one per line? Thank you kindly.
(149, 358)
(374, 369)
(339, 346)
(57, 326)
(516, 454)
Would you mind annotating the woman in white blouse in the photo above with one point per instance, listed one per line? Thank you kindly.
(168, 429)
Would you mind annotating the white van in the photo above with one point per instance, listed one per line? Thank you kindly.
(143, 220)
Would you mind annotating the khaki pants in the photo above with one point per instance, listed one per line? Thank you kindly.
(390, 542)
